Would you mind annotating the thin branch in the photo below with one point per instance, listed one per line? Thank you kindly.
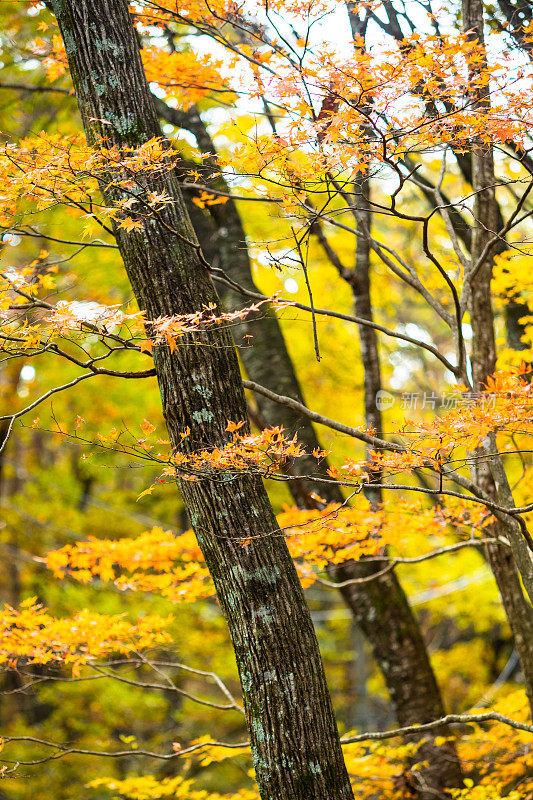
(170, 688)
(395, 561)
(449, 719)
(356, 433)
(219, 275)
(27, 87)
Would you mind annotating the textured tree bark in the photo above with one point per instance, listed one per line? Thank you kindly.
(518, 609)
(379, 607)
(515, 309)
(295, 744)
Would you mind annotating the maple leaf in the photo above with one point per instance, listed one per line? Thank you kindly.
(147, 427)
(130, 224)
(234, 426)
(146, 346)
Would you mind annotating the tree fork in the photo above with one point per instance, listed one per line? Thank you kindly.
(295, 743)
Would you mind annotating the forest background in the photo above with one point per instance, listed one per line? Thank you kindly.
(358, 177)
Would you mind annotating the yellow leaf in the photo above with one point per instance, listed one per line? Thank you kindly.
(234, 426)
(130, 224)
(147, 427)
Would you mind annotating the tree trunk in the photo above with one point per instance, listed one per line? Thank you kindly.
(295, 744)
(519, 611)
(363, 308)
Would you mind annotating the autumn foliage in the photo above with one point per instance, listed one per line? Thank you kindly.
(274, 119)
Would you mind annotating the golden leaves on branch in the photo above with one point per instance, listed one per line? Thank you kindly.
(75, 319)
(32, 634)
(504, 407)
(159, 561)
(155, 561)
(186, 76)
